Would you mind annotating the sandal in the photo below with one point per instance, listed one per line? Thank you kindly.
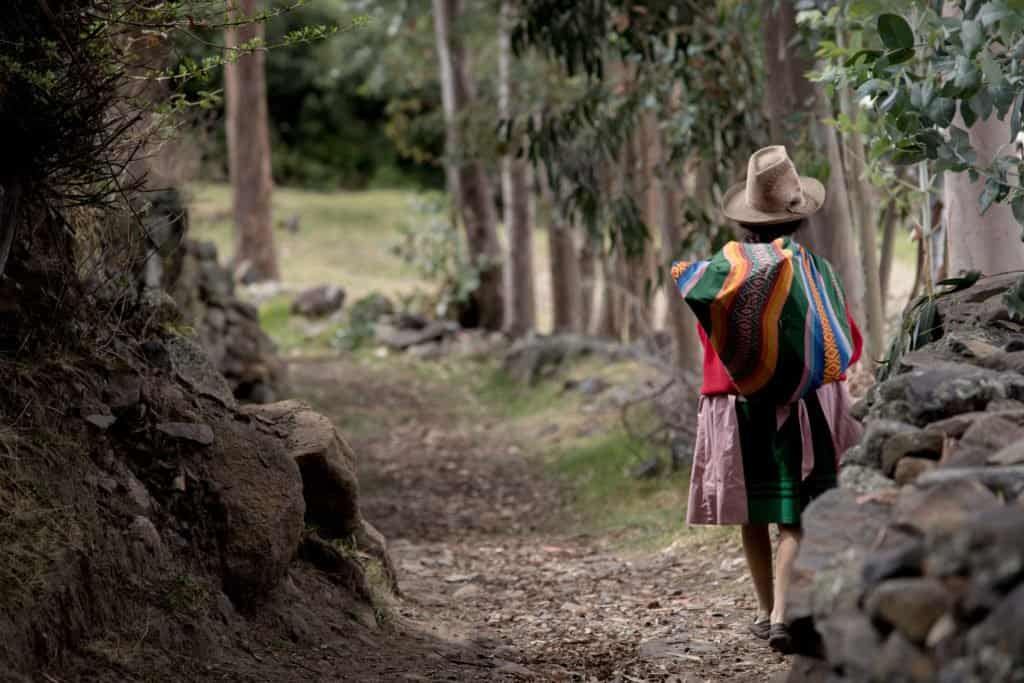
(760, 628)
(779, 639)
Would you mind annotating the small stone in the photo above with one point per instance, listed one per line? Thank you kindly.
(143, 530)
(123, 392)
(138, 493)
(943, 629)
(901, 562)
(1003, 630)
(592, 386)
(876, 434)
(851, 642)
(648, 469)
(470, 590)
(187, 431)
(911, 606)
(179, 483)
(103, 422)
(916, 443)
(909, 469)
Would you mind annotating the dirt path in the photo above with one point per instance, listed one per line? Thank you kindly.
(491, 576)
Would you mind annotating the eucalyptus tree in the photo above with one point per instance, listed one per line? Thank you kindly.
(946, 91)
(687, 68)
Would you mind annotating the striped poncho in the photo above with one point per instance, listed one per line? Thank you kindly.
(775, 314)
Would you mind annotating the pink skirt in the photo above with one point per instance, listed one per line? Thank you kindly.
(718, 483)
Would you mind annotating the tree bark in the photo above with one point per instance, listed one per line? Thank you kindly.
(586, 256)
(790, 92)
(248, 134)
(680, 321)
(864, 217)
(467, 179)
(520, 305)
(888, 250)
(990, 243)
(830, 232)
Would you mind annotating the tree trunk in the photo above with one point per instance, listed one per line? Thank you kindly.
(990, 243)
(888, 250)
(520, 306)
(679, 319)
(468, 182)
(565, 292)
(605, 322)
(248, 135)
(864, 217)
(790, 92)
(586, 256)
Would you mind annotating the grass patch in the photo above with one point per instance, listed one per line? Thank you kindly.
(640, 512)
(294, 332)
(507, 398)
(344, 238)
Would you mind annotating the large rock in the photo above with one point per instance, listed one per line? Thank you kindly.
(258, 498)
(943, 507)
(910, 605)
(327, 466)
(916, 443)
(318, 302)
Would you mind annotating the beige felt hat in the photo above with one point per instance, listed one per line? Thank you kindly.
(773, 192)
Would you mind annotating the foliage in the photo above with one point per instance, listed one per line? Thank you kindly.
(431, 245)
(916, 70)
(689, 64)
(920, 324)
(332, 118)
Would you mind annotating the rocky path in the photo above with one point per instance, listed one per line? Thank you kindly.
(496, 586)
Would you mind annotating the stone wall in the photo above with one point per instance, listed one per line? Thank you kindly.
(913, 570)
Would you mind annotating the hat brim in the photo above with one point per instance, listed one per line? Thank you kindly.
(735, 207)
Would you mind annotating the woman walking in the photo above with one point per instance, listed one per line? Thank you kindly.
(774, 409)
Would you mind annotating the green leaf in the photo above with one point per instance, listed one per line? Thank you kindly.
(966, 76)
(957, 284)
(867, 55)
(989, 194)
(967, 113)
(895, 32)
(898, 57)
(990, 68)
(971, 37)
(1017, 206)
(981, 104)
(1015, 118)
(941, 111)
(1014, 300)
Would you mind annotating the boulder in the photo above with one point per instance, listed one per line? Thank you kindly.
(402, 339)
(258, 498)
(318, 302)
(326, 464)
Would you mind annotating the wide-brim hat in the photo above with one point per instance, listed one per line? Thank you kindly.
(773, 191)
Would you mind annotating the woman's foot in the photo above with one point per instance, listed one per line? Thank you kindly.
(779, 639)
(760, 628)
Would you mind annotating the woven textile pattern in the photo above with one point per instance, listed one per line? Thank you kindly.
(775, 315)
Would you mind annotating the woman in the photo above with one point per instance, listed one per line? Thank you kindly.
(774, 410)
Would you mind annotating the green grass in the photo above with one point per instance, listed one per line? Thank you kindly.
(294, 333)
(344, 238)
(635, 512)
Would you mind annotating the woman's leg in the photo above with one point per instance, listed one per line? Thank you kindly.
(789, 543)
(757, 546)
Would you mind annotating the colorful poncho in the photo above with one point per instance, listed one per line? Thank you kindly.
(775, 314)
